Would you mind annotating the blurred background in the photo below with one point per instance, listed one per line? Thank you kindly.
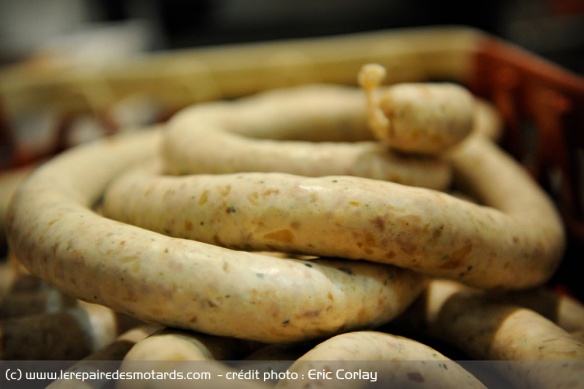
(103, 28)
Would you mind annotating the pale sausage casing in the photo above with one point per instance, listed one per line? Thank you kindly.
(182, 283)
(504, 245)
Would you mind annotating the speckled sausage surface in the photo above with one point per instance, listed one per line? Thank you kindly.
(504, 245)
(184, 283)
(426, 118)
(394, 361)
(208, 287)
(185, 353)
(501, 243)
(535, 351)
(315, 130)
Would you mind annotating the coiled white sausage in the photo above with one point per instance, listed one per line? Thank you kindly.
(324, 129)
(199, 286)
(502, 245)
(182, 283)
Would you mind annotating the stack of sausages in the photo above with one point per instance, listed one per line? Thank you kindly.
(349, 223)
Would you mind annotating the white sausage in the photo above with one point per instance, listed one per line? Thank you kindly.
(309, 131)
(530, 349)
(426, 118)
(383, 360)
(171, 351)
(183, 283)
(506, 245)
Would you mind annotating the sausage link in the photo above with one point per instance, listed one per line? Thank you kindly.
(396, 362)
(426, 118)
(182, 283)
(171, 351)
(169, 344)
(308, 131)
(531, 350)
(506, 245)
(562, 309)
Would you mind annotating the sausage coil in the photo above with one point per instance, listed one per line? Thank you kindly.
(500, 244)
(183, 283)
(160, 265)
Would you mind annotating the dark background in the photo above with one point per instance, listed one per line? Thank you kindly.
(551, 28)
